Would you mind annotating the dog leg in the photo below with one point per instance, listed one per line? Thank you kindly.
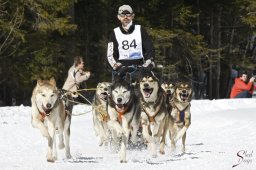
(162, 143)
(49, 156)
(155, 130)
(183, 142)
(38, 124)
(114, 141)
(122, 153)
(61, 141)
(134, 137)
(67, 137)
(184, 129)
(54, 147)
(116, 126)
(95, 124)
(172, 136)
(102, 133)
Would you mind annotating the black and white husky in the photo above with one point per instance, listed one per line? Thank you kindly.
(124, 113)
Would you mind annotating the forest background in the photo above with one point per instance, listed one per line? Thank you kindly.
(200, 41)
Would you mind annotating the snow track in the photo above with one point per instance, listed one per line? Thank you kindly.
(219, 130)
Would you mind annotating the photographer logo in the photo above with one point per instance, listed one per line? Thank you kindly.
(244, 157)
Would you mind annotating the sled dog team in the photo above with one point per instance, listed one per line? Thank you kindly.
(119, 114)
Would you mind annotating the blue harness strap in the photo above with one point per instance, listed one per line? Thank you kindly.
(182, 116)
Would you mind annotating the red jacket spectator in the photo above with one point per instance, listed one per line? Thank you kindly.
(240, 86)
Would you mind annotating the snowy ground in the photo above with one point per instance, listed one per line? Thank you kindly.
(220, 131)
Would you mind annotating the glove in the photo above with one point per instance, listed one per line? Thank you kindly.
(148, 63)
(117, 65)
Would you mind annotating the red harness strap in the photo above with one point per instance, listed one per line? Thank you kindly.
(120, 114)
(43, 115)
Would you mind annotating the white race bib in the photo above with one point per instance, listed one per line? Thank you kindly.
(129, 45)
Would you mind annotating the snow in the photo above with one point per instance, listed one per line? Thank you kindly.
(220, 130)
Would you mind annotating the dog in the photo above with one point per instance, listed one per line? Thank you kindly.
(49, 116)
(169, 89)
(180, 115)
(100, 115)
(154, 116)
(124, 113)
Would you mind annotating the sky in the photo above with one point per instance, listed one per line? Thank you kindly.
(222, 135)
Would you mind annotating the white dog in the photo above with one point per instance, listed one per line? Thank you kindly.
(48, 115)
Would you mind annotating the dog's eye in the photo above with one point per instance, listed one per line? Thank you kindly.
(115, 91)
(43, 95)
(124, 91)
(52, 95)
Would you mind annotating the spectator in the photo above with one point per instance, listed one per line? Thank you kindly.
(241, 89)
(76, 75)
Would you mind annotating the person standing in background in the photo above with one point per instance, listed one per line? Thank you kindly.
(76, 75)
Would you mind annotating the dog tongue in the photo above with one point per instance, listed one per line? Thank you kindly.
(147, 94)
(120, 107)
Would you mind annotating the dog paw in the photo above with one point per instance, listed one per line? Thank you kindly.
(100, 143)
(120, 132)
(45, 134)
(68, 156)
(183, 150)
(51, 159)
(161, 152)
(134, 140)
(61, 145)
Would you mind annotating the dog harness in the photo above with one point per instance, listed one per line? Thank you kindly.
(152, 118)
(43, 115)
(181, 114)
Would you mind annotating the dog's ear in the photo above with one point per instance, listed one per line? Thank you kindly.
(116, 78)
(40, 82)
(128, 77)
(52, 81)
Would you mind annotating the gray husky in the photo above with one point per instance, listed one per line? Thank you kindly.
(124, 112)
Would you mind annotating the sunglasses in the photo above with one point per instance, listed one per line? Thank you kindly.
(123, 15)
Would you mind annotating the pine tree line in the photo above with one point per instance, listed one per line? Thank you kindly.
(198, 41)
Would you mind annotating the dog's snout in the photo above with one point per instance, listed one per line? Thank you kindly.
(168, 91)
(48, 105)
(184, 91)
(119, 100)
(105, 89)
(146, 85)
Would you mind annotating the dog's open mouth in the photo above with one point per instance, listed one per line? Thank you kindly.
(184, 96)
(147, 92)
(104, 96)
(120, 107)
(47, 111)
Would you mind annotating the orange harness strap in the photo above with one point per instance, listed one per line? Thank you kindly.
(120, 114)
(43, 115)
(119, 117)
